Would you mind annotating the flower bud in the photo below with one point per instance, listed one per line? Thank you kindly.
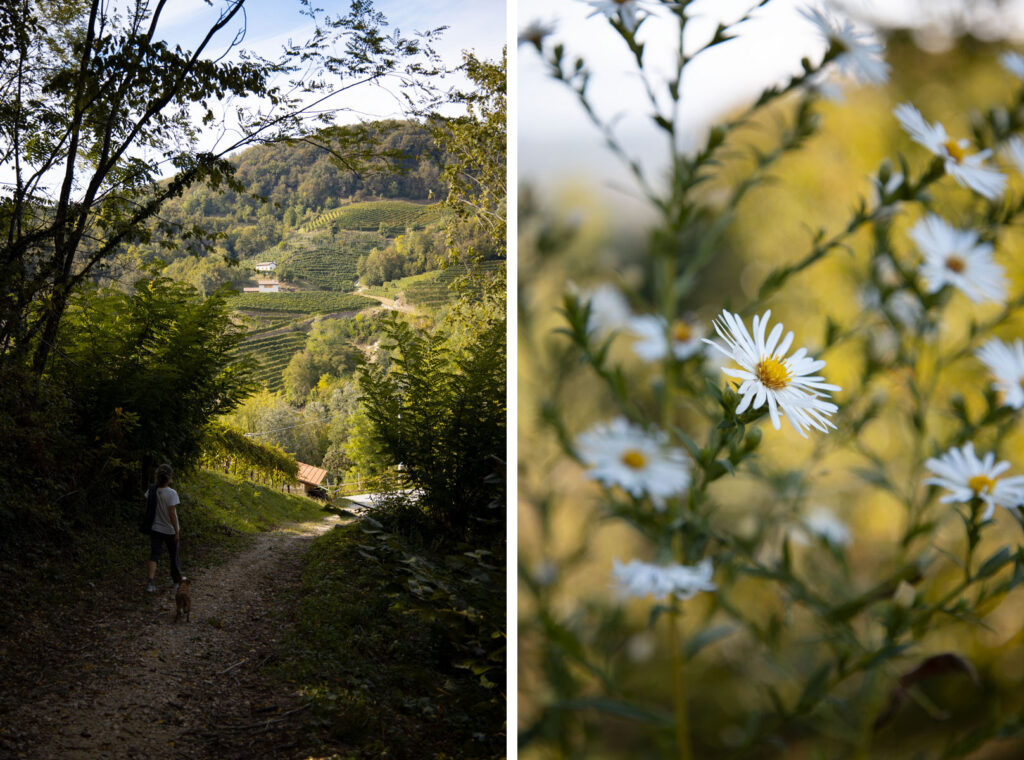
(904, 595)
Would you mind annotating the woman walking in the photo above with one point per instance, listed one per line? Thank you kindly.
(165, 530)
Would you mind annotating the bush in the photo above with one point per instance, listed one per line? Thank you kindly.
(441, 416)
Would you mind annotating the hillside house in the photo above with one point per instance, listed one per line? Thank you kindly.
(311, 477)
(266, 266)
(265, 286)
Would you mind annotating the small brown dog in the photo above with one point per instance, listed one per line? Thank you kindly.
(183, 599)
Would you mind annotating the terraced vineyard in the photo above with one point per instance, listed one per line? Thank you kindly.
(266, 323)
(431, 292)
(308, 302)
(272, 354)
(328, 268)
(395, 215)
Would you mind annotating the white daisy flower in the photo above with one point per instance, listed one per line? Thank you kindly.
(654, 337)
(1013, 62)
(955, 257)
(968, 170)
(1006, 362)
(621, 454)
(966, 477)
(1013, 150)
(625, 10)
(787, 385)
(859, 54)
(822, 523)
(643, 579)
(609, 309)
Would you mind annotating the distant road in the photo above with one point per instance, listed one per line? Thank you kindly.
(389, 303)
(365, 500)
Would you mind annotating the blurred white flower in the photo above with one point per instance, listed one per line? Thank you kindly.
(641, 646)
(1013, 62)
(968, 170)
(624, 10)
(534, 33)
(966, 477)
(1013, 149)
(545, 572)
(654, 336)
(822, 523)
(1006, 362)
(825, 86)
(621, 454)
(905, 308)
(787, 385)
(642, 579)
(609, 309)
(859, 54)
(955, 257)
(905, 595)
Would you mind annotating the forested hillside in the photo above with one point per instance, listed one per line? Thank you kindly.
(290, 184)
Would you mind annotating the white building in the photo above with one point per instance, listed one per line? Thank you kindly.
(267, 286)
(266, 266)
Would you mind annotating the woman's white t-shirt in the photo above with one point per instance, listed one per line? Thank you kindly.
(165, 498)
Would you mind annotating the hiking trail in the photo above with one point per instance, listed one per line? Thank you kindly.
(120, 679)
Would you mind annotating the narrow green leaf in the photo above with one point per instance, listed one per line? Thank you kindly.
(994, 563)
(815, 689)
(617, 708)
(704, 638)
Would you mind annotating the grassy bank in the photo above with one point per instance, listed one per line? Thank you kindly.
(54, 567)
(402, 654)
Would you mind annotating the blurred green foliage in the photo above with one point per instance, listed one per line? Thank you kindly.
(770, 672)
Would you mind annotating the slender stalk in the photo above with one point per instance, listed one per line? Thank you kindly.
(679, 689)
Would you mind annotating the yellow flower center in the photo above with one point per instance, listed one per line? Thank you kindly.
(634, 459)
(954, 150)
(955, 264)
(981, 484)
(681, 332)
(772, 374)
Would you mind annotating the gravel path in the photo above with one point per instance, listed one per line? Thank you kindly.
(128, 682)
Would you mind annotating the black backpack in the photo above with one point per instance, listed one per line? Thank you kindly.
(149, 513)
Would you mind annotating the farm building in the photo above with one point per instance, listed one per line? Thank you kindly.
(311, 477)
(265, 286)
(266, 266)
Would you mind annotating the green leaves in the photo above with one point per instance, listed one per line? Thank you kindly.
(995, 563)
(441, 415)
(705, 638)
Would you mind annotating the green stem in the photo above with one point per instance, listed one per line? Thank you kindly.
(679, 688)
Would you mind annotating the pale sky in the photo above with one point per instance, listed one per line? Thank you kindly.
(477, 25)
(558, 145)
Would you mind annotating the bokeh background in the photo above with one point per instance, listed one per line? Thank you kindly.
(583, 223)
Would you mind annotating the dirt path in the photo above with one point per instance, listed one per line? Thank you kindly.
(391, 304)
(131, 683)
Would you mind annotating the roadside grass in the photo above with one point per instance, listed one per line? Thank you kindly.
(103, 553)
(401, 653)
